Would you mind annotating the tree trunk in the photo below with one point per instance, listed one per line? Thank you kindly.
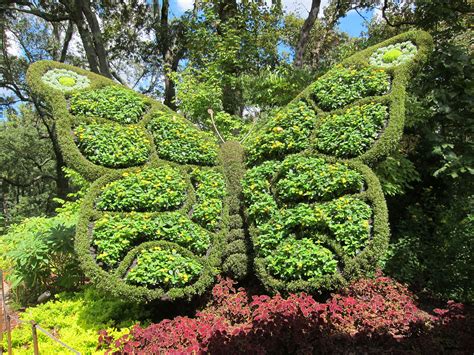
(96, 37)
(305, 31)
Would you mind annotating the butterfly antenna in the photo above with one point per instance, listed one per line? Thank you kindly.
(211, 113)
(254, 123)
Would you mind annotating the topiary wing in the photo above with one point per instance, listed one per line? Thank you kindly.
(317, 212)
(155, 221)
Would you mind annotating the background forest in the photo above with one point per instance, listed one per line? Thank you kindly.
(240, 59)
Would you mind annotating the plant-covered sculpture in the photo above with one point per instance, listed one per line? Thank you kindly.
(164, 214)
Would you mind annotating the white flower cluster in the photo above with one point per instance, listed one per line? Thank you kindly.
(65, 80)
(393, 55)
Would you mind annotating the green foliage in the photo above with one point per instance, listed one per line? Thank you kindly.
(348, 219)
(110, 102)
(177, 140)
(298, 178)
(156, 187)
(226, 41)
(314, 178)
(114, 234)
(345, 219)
(197, 92)
(163, 268)
(275, 87)
(432, 245)
(28, 167)
(75, 318)
(352, 132)
(210, 191)
(256, 188)
(353, 227)
(343, 85)
(113, 145)
(343, 225)
(40, 252)
(301, 259)
(235, 256)
(153, 189)
(397, 174)
(285, 132)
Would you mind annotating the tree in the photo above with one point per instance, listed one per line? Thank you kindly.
(433, 222)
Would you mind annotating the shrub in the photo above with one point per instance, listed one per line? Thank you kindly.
(75, 318)
(210, 191)
(163, 268)
(40, 252)
(372, 314)
(343, 85)
(315, 179)
(114, 235)
(277, 195)
(111, 102)
(352, 132)
(347, 219)
(178, 140)
(157, 187)
(287, 131)
(303, 241)
(300, 259)
(152, 189)
(113, 145)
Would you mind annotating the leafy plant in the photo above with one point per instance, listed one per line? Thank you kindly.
(112, 102)
(314, 178)
(287, 131)
(346, 220)
(177, 140)
(300, 259)
(164, 268)
(113, 145)
(210, 191)
(75, 318)
(115, 234)
(153, 189)
(371, 314)
(342, 85)
(352, 132)
(40, 252)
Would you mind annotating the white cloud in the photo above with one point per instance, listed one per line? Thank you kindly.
(302, 7)
(185, 5)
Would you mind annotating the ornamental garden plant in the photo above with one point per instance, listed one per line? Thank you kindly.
(298, 204)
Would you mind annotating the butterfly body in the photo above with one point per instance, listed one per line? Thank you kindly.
(169, 208)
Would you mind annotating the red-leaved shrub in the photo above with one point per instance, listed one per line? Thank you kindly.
(371, 315)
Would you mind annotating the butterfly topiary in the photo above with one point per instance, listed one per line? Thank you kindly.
(169, 208)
